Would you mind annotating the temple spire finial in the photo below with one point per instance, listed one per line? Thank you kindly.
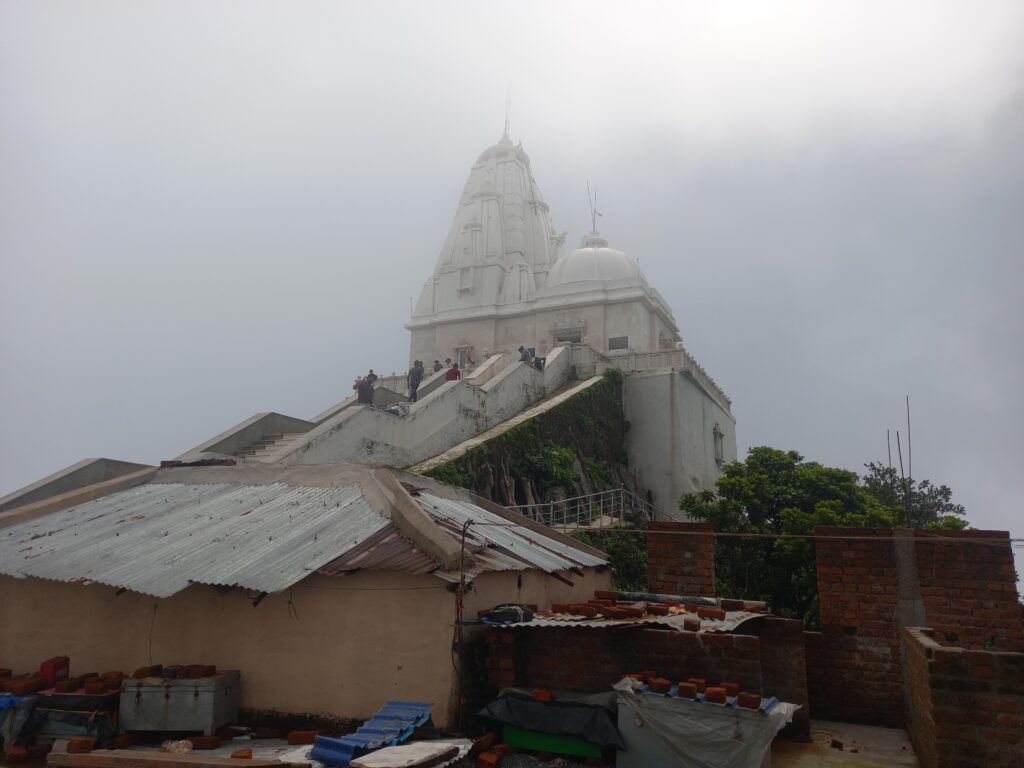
(508, 111)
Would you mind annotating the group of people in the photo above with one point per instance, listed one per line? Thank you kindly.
(526, 356)
(418, 372)
(364, 388)
(364, 384)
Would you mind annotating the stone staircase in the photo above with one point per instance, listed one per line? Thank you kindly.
(267, 447)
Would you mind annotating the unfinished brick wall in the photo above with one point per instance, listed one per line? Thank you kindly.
(678, 562)
(853, 664)
(969, 589)
(591, 659)
(968, 592)
(967, 707)
(784, 664)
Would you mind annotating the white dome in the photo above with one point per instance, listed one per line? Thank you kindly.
(595, 261)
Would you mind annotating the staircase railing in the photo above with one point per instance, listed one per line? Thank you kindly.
(618, 508)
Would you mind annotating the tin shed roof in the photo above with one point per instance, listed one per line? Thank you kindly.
(268, 528)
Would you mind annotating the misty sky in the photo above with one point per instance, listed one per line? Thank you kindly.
(211, 209)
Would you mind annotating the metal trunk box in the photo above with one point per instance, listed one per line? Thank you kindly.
(203, 704)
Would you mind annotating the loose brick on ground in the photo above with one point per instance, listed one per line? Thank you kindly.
(242, 754)
(302, 737)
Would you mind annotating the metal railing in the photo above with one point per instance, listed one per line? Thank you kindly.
(619, 508)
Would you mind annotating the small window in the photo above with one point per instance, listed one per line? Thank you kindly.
(465, 279)
(618, 342)
(719, 445)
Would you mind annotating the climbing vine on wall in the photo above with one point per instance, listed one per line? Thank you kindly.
(577, 447)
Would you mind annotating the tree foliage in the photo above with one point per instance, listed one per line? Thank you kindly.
(779, 492)
(911, 503)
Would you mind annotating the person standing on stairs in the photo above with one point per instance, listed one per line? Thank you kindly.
(454, 374)
(414, 377)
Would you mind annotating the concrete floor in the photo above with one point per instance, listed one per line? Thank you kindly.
(875, 748)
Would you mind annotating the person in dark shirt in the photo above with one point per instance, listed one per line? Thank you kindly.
(454, 374)
(415, 377)
(364, 390)
(437, 366)
(525, 356)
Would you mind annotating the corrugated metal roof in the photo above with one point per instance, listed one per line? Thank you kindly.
(159, 538)
(733, 620)
(500, 544)
(386, 550)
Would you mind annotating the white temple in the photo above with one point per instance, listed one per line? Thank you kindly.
(502, 279)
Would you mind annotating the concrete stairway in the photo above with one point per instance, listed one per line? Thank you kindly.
(266, 448)
(549, 402)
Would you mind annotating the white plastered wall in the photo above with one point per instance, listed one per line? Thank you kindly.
(671, 441)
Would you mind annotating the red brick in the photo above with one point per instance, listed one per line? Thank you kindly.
(487, 760)
(16, 754)
(205, 742)
(687, 690)
(714, 694)
(483, 744)
(691, 625)
(749, 700)
(659, 685)
(711, 613)
(542, 694)
(606, 595)
(68, 685)
(123, 741)
(80, 745)
(699, 682)
(302, 737)
(242, 754)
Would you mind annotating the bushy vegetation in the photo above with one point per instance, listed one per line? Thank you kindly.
(778, 492)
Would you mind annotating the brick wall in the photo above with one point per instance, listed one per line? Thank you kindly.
(591, 660)
(784, 665)
(969, 590)
(967, 707)
(680, 563)
(853, 664)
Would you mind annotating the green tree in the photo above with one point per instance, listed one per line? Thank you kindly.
(911, 503)
(778, 492)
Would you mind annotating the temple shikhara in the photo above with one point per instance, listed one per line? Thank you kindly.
(504, 279)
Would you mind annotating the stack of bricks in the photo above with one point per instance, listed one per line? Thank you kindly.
(680, 561)
(969, 590)
(592, 659)
(853, 665)
(501, 658)
(967, 707)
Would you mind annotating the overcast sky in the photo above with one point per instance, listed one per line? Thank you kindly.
(211, 209)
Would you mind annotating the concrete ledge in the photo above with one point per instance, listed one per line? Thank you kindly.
(77, 496)
(86, 472)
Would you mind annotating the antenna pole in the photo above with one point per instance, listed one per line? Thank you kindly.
(891, 478)
(590, 203)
